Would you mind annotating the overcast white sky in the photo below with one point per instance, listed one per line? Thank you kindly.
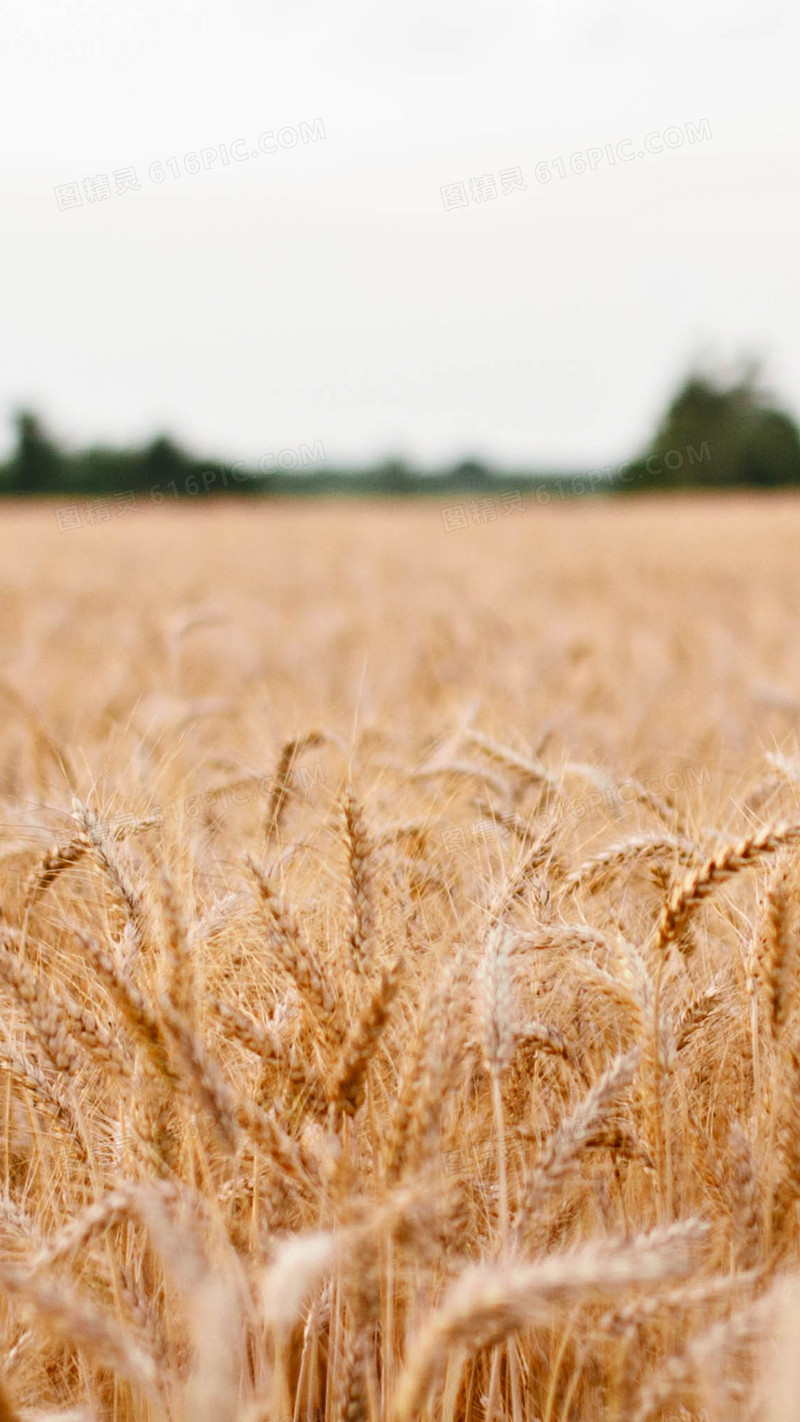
(323, 292)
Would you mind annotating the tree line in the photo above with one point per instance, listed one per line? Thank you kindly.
(713, 435)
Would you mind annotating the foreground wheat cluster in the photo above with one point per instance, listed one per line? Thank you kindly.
(374, 1044)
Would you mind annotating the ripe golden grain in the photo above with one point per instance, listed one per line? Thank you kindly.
(470, 1093)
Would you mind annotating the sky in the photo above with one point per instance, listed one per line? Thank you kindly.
(417, 250)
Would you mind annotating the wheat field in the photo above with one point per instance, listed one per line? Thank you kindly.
(399, 964)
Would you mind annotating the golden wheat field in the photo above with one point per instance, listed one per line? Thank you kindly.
(400, 964)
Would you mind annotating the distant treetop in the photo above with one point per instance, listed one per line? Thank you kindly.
(718, 435)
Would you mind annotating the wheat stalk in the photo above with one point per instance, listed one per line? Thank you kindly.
(488, 1303)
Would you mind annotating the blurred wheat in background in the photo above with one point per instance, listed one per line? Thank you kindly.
(399, 1011)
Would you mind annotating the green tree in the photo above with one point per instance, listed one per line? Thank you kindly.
(163, 463)
(37, 465)
(720, 436)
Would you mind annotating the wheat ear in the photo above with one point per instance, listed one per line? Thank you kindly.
(349, 1081)
(730, 859)
(102, 846)
(291, 947)
(489, 1302)
(81, 1322)
(778, 950)
(362, 883)
(573, 1135)
(282, 782)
